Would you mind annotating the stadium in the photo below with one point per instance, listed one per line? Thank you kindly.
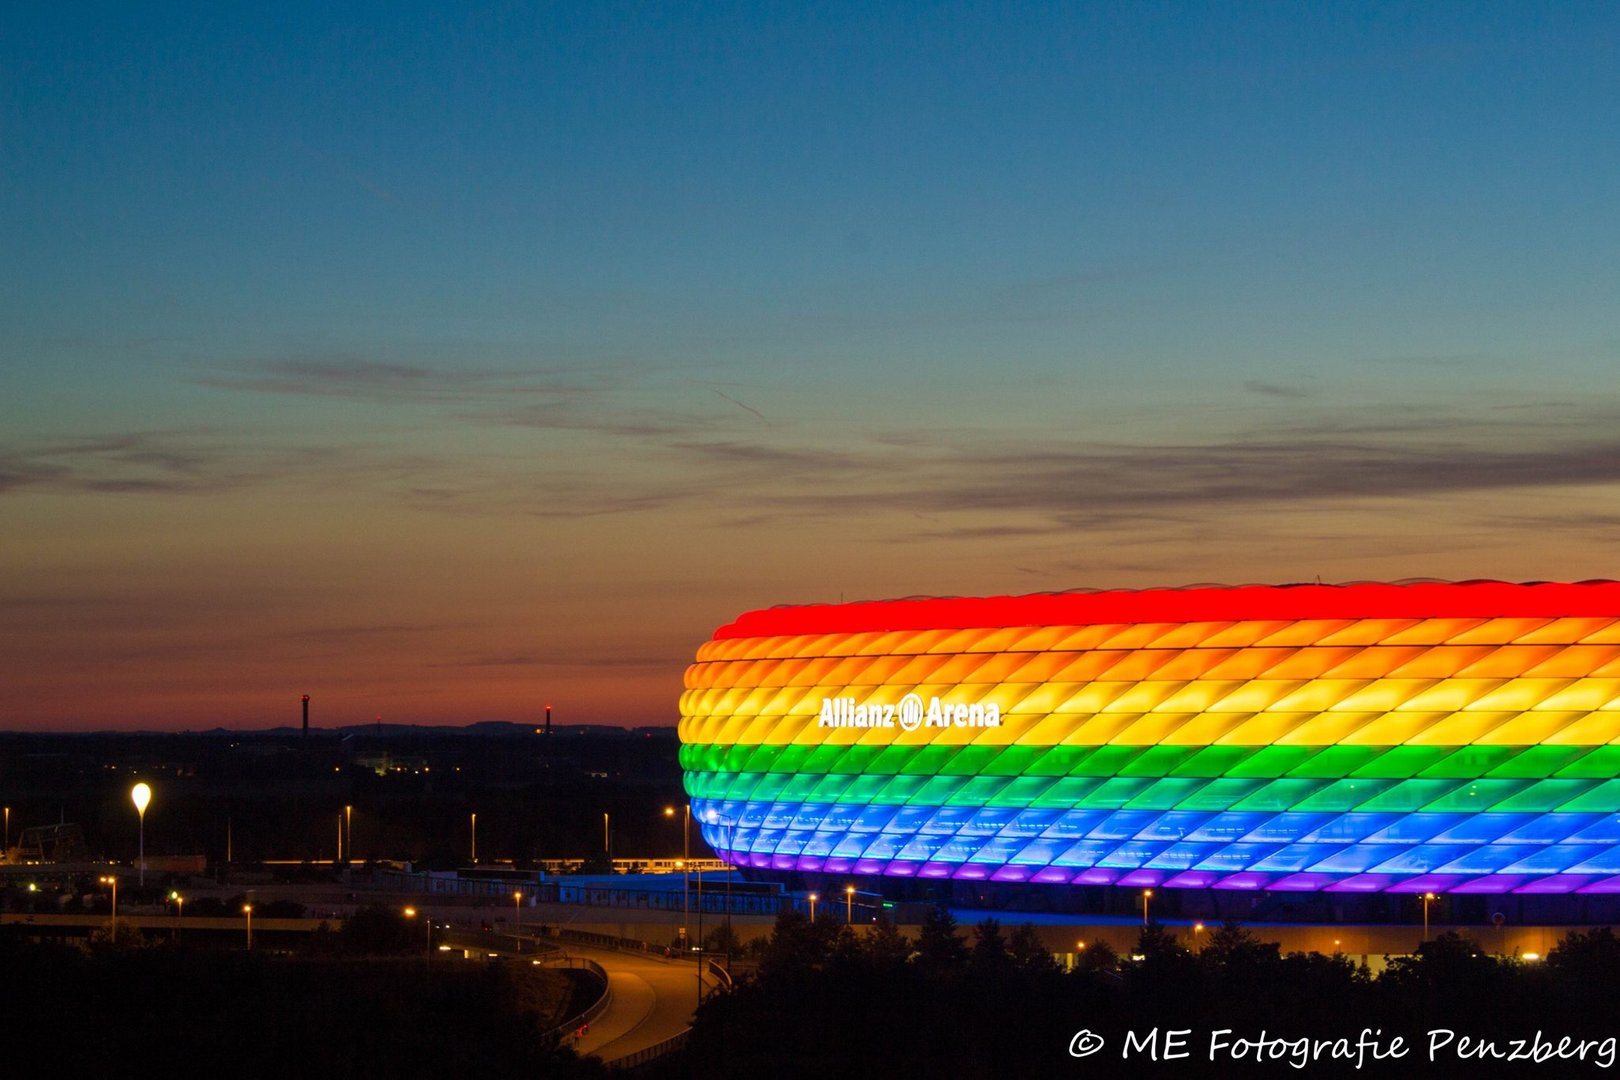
(1368, 738)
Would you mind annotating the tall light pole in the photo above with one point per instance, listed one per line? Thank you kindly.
(1198, 928)
(607, 841)
(247, 909)
(1428, 898)
(110, 879)
(517, 908)
(813, 899)
(348, 822)
(8, 829)
(427, 920)
(475, 838)
(686, 864)
(339, 860)
(849, 905)
(1147, 894)
(142, 795)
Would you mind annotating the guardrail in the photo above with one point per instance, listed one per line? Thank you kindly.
(720, 975)
(653, 1052)
(575, 1024)
(490, 941)
(604, 941)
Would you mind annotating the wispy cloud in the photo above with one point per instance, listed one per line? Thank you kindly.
(1090, 484)
(697, 445)
(146, 462)
(1276, 390)
(393, 382)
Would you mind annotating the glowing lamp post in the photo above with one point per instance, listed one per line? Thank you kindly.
(247, 909)
(686, 860)
(427, 921)
(517, 908)
(1198, 928)
(813, 899)
(179, 910)
(110, 879)
(849, 905)
(1147, 894)
(141, 794)
(1428, 898)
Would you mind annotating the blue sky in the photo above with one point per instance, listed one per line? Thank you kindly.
(716, 306)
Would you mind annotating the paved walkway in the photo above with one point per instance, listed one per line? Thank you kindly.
(652, 1001)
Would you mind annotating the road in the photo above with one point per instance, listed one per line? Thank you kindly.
(653, 999)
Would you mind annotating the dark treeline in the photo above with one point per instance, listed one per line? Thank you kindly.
(358, 1002)
(825, 1002)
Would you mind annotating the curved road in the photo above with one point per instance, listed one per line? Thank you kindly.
(653, 1000)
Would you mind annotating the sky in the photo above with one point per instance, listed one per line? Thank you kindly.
(443, 361)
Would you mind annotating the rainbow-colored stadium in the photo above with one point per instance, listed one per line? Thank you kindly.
(1412, 737)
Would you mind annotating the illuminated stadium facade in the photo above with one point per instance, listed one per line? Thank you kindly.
(1361, 738)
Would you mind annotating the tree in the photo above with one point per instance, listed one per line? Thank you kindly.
(989, 956)
(1238, 951)
(940, 950)
(379, 931)
(1028, 953)
(119, 935)
(1587, 960)
(884, 946)
(1157, 943)
(723, 939)
(1097, 956)
(796, 947)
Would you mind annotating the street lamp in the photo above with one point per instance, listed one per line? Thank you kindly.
(247, 909)
(849, 905)
(110, 879)
(1198, 928)
(475, 839)
(1428, 898)
(813, 899)
(348, 822)
(607, 840)
(517, 903)
(686, 865)
(1147, 894)
(142, 795)
(179, 910)
(427, 920)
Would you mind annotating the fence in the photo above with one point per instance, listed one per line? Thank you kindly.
(703, 897)
(597, 1008)
(653, 1052)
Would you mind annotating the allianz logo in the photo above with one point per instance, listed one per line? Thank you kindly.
(909, 715)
